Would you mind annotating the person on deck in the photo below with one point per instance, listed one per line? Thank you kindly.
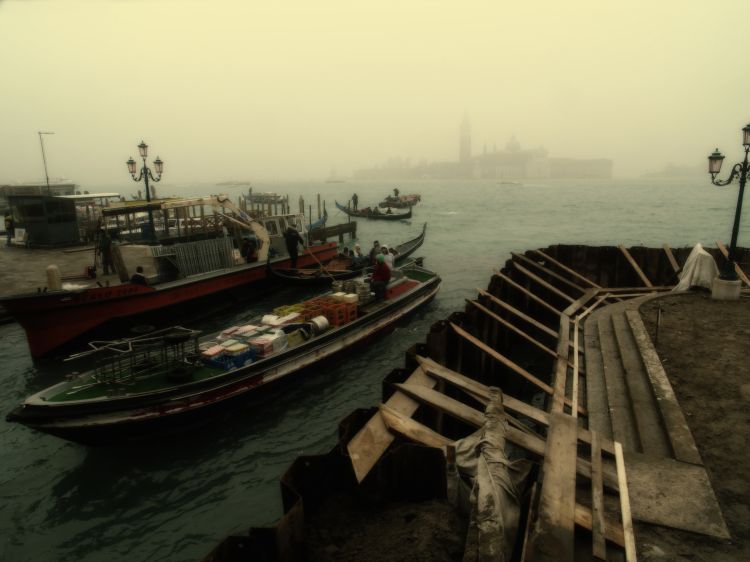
(380, 278)
(292, 238)
(105, 251)
(138, 278)
(389, 212)
(355, 201)
(387, 256)
(374, 251)
(395, 191)
(9, 228)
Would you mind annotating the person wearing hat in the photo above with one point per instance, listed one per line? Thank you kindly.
(374, 251)
(380, 277)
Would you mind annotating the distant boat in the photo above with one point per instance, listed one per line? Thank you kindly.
(509, 183)
(368, 213)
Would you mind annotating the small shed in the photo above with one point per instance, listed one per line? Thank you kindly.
(44, 220)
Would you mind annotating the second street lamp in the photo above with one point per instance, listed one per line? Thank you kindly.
(738, 170)
(144, 175)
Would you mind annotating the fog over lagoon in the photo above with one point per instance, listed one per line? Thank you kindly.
(233, 90)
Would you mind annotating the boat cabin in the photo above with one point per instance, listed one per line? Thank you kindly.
(54, 221)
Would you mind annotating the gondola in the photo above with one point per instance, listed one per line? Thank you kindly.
(317, 277)
(374, 216)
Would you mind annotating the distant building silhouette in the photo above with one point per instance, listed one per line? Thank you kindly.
(513, 163)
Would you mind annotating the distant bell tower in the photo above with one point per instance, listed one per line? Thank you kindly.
(464, 149)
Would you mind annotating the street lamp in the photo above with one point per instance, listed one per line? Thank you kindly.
(145, 175)
(741, 169)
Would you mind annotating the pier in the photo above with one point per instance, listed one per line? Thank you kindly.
(618, 465)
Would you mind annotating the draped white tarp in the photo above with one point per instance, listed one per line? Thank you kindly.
(699, 270)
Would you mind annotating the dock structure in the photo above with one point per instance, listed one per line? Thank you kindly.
(558, 345)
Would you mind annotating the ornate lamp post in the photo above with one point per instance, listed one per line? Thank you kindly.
(741, 169)
(145, 175)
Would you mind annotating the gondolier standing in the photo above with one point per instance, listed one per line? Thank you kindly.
(292, 238)
(355, 201)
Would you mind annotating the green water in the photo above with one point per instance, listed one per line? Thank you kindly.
(175, 499)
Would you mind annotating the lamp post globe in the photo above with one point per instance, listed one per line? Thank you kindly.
(146, 175)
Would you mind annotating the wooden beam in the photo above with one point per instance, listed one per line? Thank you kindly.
(370, 442)
(528, 293)
(627, 518)
(561, 367)
(613, 529)
(737, 268)
(510, 364)
(598, 527)
(480, 392)
(554, 532)
(564, 267)
(534, 277)
(526, 440)
(406, 426)
(509, 308)
(670, 257)
(635, 266)
(513, 328)
(547, 271)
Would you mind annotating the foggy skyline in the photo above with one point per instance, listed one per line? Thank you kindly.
(233, 90)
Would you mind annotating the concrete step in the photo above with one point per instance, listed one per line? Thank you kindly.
(653, 437)
(624, 427)
(596, 388)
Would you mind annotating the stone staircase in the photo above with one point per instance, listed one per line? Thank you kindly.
(629, 399)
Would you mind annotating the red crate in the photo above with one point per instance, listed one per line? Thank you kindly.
(336, 314)
(351, 311)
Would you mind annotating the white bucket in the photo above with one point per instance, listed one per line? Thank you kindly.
(320, 324)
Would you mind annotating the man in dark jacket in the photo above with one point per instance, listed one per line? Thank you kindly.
(292, 238)
(105, 251)
(355, 201)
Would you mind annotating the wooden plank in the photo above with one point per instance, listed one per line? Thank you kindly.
(509, 308)
(670, 257)
(676, 426)
(534, 496)
(513, 328)
(554, 533)
(598, 527)
(510, 364)
(613, 529)
(370, 442)
(635, 266)
(547, 271)
(574, 395)
(627, 519)
(529, 441)
(533, 276)
(561, 367)
(737, 268)
(564, 267)
(481, 393)
(404, 425)
(530, 294)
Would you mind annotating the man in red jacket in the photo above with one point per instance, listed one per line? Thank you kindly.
(380, 277)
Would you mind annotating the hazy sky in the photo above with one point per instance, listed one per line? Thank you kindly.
(242, 89)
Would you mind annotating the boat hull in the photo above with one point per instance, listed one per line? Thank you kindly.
(56, 318)
(130, 419)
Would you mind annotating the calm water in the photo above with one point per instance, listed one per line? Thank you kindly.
(174, 500)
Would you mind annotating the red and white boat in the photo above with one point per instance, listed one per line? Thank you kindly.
(55, 318)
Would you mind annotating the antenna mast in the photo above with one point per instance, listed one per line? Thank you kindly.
(44, 158)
